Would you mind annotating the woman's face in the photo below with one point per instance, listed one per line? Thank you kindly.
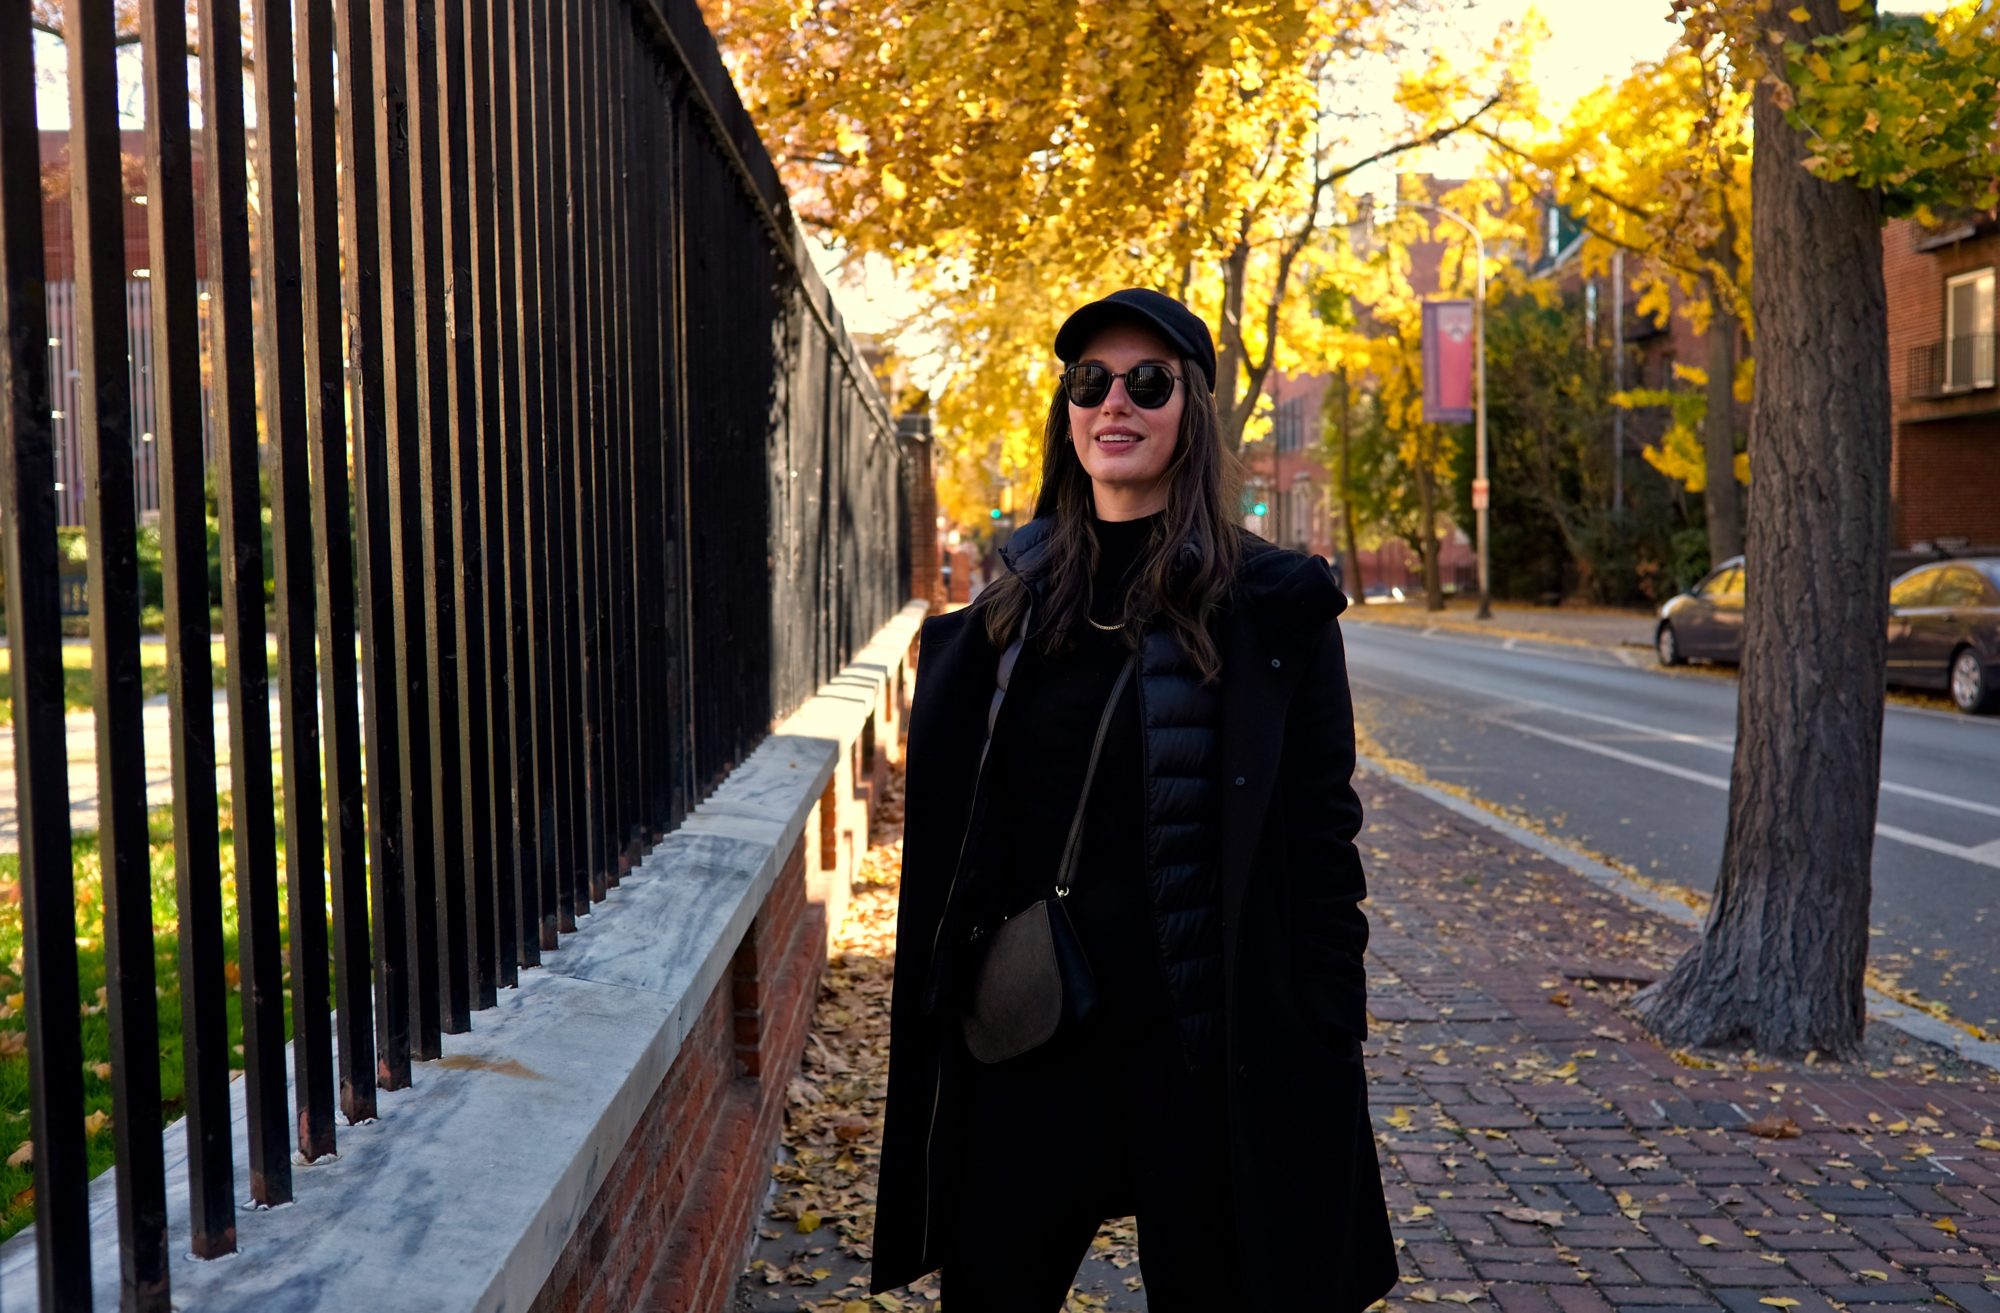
(1126, 450)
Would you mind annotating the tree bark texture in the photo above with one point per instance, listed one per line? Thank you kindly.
(1356, 587)
(1427, 510)
(1722, 497)
(1231, 358)
(1781, 960)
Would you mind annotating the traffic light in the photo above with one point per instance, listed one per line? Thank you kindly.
(994, 513)
(1260, 509)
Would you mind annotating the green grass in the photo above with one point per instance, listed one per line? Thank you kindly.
(17, 1182)
(76, 673)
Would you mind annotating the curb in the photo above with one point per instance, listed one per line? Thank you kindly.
(1881, 1007)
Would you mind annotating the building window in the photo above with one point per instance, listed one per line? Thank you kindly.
(1968, 331)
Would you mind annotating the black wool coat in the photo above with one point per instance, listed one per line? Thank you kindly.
(1302, 1151)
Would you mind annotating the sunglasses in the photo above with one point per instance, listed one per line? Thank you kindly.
(1149, 386)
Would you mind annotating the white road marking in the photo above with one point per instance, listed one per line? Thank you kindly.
(1727, 746)
(1986, 854)
(1605, 657)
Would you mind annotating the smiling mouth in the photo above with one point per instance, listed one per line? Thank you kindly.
(1117, 439)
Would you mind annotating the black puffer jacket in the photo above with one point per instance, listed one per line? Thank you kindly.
(1180, 728)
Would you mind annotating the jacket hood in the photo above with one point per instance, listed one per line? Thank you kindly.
(1289, 586)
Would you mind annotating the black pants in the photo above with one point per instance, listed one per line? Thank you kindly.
(1105, 1123)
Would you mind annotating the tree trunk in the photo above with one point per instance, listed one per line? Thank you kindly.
(1231, 363)
(1721, 499)
(1427, 521)
(1781, 959)
(1355, 586)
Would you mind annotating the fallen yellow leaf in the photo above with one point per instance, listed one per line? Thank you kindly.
(1462, 1296)
(1707, 1240)
(808, 1222)
(1872, 1272)
(1779, 1301)
(1946, 1225)
(22, 1156)
(1423, 1296)
(1988, 1143)
(96, 1122)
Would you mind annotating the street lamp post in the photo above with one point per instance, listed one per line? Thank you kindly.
(1480, 489)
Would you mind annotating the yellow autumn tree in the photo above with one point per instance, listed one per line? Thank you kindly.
(1014, 158)
(1657, 164)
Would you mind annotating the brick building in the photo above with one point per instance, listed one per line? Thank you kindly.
(1944, 478)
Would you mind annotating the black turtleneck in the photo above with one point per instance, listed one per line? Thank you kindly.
(1040, 750)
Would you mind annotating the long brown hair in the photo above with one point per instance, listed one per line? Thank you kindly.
(1189, 562)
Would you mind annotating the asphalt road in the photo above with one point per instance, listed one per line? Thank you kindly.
(1630, 761)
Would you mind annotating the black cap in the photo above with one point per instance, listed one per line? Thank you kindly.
(1181, 327)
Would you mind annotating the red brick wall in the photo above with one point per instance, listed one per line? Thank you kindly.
(1944, 474)
(925, 580)
(1947, 482)
(667, 1229)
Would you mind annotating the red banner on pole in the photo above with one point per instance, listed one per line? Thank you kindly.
(1448, 362)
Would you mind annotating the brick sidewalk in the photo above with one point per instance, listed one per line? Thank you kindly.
(1541, 1154)
(1544, 1154)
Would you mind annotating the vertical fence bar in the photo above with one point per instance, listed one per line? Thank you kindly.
(97, 206)
(589, 436)
(428, 200)
(177, 439)
(363, 258)
(590, 488)
(562, 481)
(333, 554)
(282, 344)
(680, 500)
(239, 515)
(604, 412)
(664, 233)
(470, 913)
(619, 44)
(513, 163)
(403, 375)
(534, 265)
(552, 632)
(645, 532)
(28, 519)
(485, 34)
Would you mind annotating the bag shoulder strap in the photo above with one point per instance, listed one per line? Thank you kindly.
(1066, 870)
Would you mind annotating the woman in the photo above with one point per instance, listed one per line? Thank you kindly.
(1215, 1088)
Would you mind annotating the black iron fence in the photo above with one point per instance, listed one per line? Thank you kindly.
(575, 483)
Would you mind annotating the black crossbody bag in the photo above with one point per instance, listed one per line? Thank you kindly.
(1033, 980)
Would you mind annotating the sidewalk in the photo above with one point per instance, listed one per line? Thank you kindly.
(1591, 626)
(1541, 1154)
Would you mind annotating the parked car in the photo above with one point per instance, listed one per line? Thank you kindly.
(1706, 621)
(1944, 627)
(1944, 631)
